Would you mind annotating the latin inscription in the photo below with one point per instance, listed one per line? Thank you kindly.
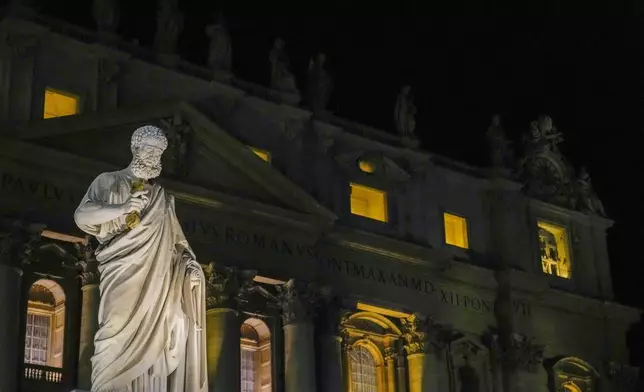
(38, 189)
(349, 268)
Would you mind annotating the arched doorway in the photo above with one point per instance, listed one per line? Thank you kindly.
(45, 326)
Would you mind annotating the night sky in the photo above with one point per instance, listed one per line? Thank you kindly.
(586, 72)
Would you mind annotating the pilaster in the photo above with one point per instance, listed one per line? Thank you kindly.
(89, 279)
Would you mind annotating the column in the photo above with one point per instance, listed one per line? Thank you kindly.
(425, 370)
(331, 342)
(10, 280)
(89, 318)
(346, 366)
(390, 362)
(107, 89)
(222, 329)
(22, 75)
(14, 242)
(299, 348)
(401, 373)
(223, 349)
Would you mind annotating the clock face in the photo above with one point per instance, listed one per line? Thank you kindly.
(547, 178)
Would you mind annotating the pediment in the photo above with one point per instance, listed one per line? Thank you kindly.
(201, 153)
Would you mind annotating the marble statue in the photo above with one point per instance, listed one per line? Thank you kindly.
(405, 113)
(169, 26)
(588, 201)
(500, 149)
(220, 48)
(281, 77)
(151, 335)
(544, 135)
(106, 15)
(320, 84)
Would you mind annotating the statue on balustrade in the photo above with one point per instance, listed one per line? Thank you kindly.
(106, 15)
(220, 48)
(320, 84)
(151, 335)
(281, 77)
(169, 26)
(405, 113)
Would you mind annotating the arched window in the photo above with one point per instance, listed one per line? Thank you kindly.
(574, 375)
(363, 370)
(256, 372)
(45, 331)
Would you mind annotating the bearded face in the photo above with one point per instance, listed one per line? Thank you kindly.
(146, 162)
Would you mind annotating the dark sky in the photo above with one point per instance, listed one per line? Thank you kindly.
(585, 71)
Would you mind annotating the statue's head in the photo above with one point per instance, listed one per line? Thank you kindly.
(496, 120)
(147, 145)
(279, 43)
(405, 90)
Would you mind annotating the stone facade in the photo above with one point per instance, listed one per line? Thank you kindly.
(279, 243)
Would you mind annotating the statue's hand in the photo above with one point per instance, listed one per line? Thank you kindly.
(135, 202)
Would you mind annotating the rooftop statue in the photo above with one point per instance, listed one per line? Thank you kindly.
(106, 15)
(151, 334)
(281, 77)
(320, 84)
(405, 113)
(220, 48)
(500, 147)
(169, 26)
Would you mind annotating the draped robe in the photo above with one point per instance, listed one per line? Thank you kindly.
(151, 335)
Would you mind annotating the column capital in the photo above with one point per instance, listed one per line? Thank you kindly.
(224, 284)
(18, 244)
(332, 315)
(86, 263)
(298, 301)
(19, 45)
(522, 353)
(422, 334)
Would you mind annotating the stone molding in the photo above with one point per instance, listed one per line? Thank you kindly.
(297, 302)
(20, 45)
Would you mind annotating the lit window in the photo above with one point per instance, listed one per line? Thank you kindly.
(37, 339)
(554, 249)
(45, 332)
(59, 104)
(366, 166)
(456, 230)
(368, 202)
(571, 387)
(255, 356)
(363, 370)
(264, 155)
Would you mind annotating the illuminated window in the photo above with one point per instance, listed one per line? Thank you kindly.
(363, 370)
(571, 387)
(59, 104)
(554, 250)
(456, 230)
(366, 166)
(255, 356)
(44, 336)
(368, 202)
(264, 155)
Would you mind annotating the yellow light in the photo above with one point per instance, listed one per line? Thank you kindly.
(264, 155)
(456, 230)
(59, 104)
(383, 311)
(368, 202)
(554, 249)
(366, 166)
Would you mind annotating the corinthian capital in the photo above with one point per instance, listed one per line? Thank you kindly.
(422, 334)
(297, 301)
(87, 264)
(19, 243)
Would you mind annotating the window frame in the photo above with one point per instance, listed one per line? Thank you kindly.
(48, 352)
(386, 198)
(467, 230)
(67, 93)
(570, 251)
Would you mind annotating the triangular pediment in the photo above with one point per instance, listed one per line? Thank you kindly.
(201, 153)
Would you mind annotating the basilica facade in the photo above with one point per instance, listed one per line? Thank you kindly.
(337, 257)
